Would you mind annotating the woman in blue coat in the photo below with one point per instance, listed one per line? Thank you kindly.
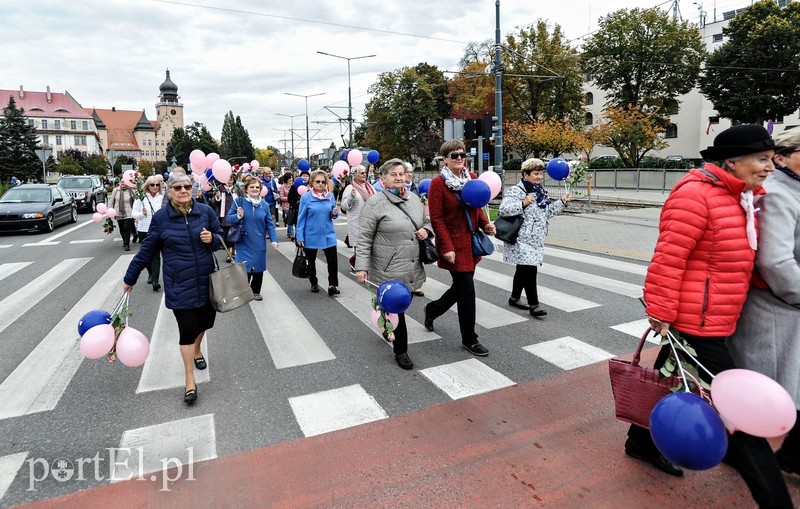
(315, 230)
(186, 233)
(254, 214)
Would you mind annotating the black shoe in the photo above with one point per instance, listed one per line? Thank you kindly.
(200, 363)
(537, 312)
(190, 396)
(156, 286)
(133, 240)
(404, 361)
(515, 303)
(656, 459)
(428, 319)
(419, 293)
(126, 248)
(477, 349)
(786, 463)
(332, 290)
(314, 289)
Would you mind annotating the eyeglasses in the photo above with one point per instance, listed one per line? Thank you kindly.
(320, 181)
(185, 187)
(154, 185)
(253, 187)
(395, 175)
(458, 155)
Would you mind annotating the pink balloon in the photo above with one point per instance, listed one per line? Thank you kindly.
(494, 181)
(263, 192)
(254, 164)
(198, 168)
(374, 316)
(393, 318)
(206, 186)
(354, 157)
(132, 347)
(101, 207)
(198, 178)
(301, 190)
(111, 213)
(221, 170)
(336, 172)
(97, 217)
(245, 167)
(97, 341)
(341, 165)
(753, 403)
(210, 158)
(197, 158)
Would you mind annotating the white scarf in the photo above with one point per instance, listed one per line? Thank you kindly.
(255, 201)
(746, 201)
(453, 182)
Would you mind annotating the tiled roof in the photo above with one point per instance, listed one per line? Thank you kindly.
(121, 125)
(36, 104)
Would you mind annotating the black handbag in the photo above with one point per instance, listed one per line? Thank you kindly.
(427, 251)
(300, 264)
(235, 231)
(508, 228)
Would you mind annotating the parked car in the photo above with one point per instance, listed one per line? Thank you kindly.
(88, 190)
(36, 207)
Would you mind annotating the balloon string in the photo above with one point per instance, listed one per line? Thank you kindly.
(689, 354)
(353, 273)
(680, 365)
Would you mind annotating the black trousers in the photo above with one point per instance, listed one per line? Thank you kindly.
(333, 265)
(127, 229)
(462, 294)
(256, 279)
(154, 267)
(751, 456)
(400, 344)
(525, 278)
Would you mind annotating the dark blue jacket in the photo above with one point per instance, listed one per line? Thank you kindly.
(187, 261)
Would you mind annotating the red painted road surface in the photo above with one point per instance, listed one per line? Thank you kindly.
(551, 443)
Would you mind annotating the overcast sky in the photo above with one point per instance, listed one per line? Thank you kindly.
(243, 55)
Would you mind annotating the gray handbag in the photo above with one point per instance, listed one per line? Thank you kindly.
(228, 287)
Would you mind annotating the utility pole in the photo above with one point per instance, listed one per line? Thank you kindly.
(349, 91)
(498, 95)
(308, 138)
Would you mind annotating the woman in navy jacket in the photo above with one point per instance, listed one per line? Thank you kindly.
(186, 233)
(256, 219)
(315, 230)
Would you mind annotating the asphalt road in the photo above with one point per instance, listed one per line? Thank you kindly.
(294, 365)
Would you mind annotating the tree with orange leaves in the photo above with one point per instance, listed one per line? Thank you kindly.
(632, 133)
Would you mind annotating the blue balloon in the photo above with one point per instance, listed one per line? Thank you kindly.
(299, 181)
(476, 193)
(424, 186)
(209, 173)
(303, 165)
(688, 431)
(373, 156)
(92, 318)
(343, 157)
(166, 176)
(393, 296)
(558, 169)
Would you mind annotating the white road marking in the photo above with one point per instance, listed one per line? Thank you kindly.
(8, 269)
(636, 329)
(87, 241)
(589, 279)
(598, 261)
(568, 353)
(331, 410)
(553, 298)
(9, 466)
(49, 240)
(466, 378)
(6, 246)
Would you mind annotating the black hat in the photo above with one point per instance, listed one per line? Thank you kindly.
(739, 140)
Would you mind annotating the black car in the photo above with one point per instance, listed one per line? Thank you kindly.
(36, 207)
(87, 190)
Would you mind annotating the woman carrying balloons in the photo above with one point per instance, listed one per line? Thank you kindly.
(122, 202)
(315, 230)
(254, 214)
(529, 199)
(186, 232)
(353, 199)
(392, 224)
(766, 337)
(143, 212)
(221, 202)
(697, 283)
(454, 243)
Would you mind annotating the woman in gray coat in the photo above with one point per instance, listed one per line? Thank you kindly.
(388, 243)
(767, 338)
(530, 199)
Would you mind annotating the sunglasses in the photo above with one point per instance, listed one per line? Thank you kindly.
(458, 155)
(185, 187)
(320, 181)
(154, 185)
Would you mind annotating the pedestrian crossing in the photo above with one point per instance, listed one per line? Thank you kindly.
(290, 340)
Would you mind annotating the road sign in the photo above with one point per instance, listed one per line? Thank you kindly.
(473, 151)
(486, 156)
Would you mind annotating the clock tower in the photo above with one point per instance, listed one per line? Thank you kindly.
(169, 112)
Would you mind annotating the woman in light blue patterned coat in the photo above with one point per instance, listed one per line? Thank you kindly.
(530, 199)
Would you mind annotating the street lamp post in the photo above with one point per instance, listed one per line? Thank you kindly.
(291, 117)
(308, 139)
(349, 91)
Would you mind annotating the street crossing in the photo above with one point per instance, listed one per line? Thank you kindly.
(322, 379)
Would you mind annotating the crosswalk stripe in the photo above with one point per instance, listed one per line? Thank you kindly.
(466, 378)
(553, 298)
(162, 446)
(8, 269)
(568, 352)
(21, 301)
(9, 466)
(488, 315)
(356, 299)
(276, 315)
(635, 329)
(598, 261)
(87, 241)
(335, 409)
(49, 240)
(163, 368)
(6, 246)
(40, 380)
(589, 279)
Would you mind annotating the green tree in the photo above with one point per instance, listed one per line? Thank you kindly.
(195, 136)
(632, 133)
(229, 138)
(96, 165)
(67, 165)
(123, 160)
(160, 167)
(642, 57)
(145, 168)
(754, 75)
(17, 145)
(543, 77)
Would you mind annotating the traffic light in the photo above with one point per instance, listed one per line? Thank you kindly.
(469, 129)
(488, 125)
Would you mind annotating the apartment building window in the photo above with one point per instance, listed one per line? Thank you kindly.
(45, 140)
(717, 38)
(57, 124)
(31, 122)
(589, 76)
(73, 124)
(671, 132)
(80, 140)
(589, 99)
(85, 125)
(588, 118)
(58, 139)
(44, 123)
